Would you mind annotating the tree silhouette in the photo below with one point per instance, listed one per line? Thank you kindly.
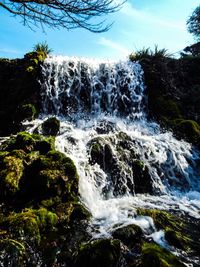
(193, 23)
(67, 14)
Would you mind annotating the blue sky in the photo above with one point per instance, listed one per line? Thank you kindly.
(140, 23)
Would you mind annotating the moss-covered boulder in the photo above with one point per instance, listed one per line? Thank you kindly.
(51, 126)
(102, 252)
(32, 169)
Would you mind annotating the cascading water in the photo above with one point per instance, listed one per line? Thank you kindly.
(124, 161)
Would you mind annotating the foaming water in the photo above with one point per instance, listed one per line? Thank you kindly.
(73, 87)
(102, 108)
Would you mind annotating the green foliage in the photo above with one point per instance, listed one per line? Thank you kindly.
(147, 53)
(191, 51)
(42, 47)
(193, 23)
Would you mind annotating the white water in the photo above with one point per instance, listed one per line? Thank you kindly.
(88, 96)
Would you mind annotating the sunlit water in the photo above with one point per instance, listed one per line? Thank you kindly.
(88, 96)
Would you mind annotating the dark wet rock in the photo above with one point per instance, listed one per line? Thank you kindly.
(51, 126)
(130, 235)
(117, 157)
(142, 179)
(104, 127)
(102, 252)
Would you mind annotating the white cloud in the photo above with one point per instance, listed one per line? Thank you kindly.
(149, 18)
(9, 51)
(114, 46)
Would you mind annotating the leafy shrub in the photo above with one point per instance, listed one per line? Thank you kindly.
(42, 47)
(148, 53)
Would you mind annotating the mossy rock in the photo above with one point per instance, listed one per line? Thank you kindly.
(23, 140)
(79, 213)
(11, 172)
(98, 253)
(29, 142)
(51, 175)
(129, 235)
(29, 224)
(51, 126)
(163, 219)
(155, 256)
(176, 232)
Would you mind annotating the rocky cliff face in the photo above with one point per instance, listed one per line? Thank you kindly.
(20, 90)
(173, 87)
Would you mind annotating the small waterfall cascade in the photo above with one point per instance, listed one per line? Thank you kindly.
(72, 87)
(123, 160)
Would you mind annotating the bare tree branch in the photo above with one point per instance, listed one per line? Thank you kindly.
(67, 14)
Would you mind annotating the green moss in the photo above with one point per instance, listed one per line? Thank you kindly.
(158, 257)
(176, 232)
(45, 219)
(30, 223)
(10, 175)
(51, 175)
(29, 142)
(22, 141)
(103, 252)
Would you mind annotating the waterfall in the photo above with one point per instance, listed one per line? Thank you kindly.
(104, 128)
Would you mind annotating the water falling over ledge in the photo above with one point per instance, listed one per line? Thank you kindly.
(104, 129)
